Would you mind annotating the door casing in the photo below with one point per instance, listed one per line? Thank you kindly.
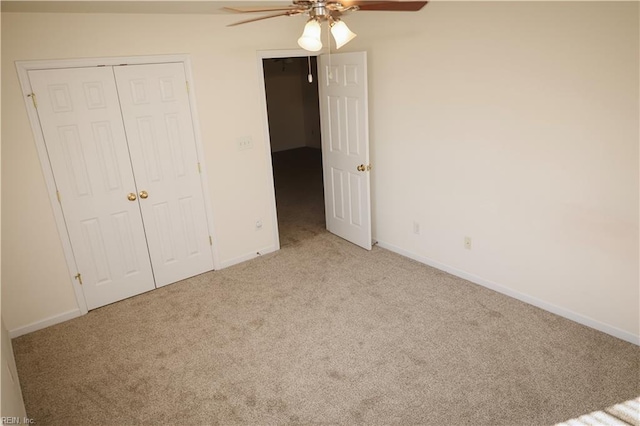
(272, 54)
(23, 67)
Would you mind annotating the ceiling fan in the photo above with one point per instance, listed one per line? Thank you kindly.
(319, 11)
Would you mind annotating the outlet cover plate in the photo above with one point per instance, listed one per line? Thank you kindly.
(244, 142)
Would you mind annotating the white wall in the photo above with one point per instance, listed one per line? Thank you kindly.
(292, 103)
(310, 103)
(513, 123)
(11, 403)
(36, 284)
(284, 97)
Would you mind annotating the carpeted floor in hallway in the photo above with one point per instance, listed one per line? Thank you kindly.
(299, 194)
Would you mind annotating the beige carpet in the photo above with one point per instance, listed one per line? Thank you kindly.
(322, 332)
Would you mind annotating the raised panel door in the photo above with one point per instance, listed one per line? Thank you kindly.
(80, 117)
(345, 145)
(158, 123)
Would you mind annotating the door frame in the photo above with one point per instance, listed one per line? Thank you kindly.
(23, 67)
(273, 54)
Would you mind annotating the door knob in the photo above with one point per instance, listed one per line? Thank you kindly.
(361, 168)
(144, 194)
(131, 196)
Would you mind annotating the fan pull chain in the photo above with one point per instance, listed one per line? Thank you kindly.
(329, 50)
(310, 76)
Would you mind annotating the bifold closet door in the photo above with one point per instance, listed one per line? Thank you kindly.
(82, 126)
(158, 123)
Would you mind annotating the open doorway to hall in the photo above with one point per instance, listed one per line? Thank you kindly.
(294, 130)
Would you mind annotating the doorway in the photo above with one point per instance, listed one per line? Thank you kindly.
(344, 117)
(293, 118)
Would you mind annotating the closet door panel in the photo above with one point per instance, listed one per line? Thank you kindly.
(80, 117)
(159, 128)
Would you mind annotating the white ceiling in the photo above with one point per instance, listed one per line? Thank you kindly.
(141, 6)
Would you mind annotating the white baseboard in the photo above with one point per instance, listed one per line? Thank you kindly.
(563, 312)
(47, 322)
(248, 256)
(550, 307)
(65, 316)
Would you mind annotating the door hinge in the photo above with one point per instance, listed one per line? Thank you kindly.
(187, 83)
(199, 168)
(33, 99)
(79, 277)
(210, 240)
(59, 197)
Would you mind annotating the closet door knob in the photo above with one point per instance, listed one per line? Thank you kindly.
(144, 194)
(131, 196)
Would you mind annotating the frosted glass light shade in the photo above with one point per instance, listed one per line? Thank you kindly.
(310, 39)
(341, 34)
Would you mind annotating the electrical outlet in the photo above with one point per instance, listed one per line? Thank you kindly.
(467, 243)
(244, 142)
(416, 228)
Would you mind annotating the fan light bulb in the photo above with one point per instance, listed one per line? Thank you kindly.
(341, 34)
(310, 39)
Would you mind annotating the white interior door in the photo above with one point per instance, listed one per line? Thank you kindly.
(157, 118)
(80, 118)
(342, 85)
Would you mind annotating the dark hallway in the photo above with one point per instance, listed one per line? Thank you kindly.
(298, 183)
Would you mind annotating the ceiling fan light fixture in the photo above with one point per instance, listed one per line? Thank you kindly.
(341, 33)
(310, 39)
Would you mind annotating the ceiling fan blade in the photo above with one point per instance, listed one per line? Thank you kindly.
(260, 9)
(259, 19)
(400, 6)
